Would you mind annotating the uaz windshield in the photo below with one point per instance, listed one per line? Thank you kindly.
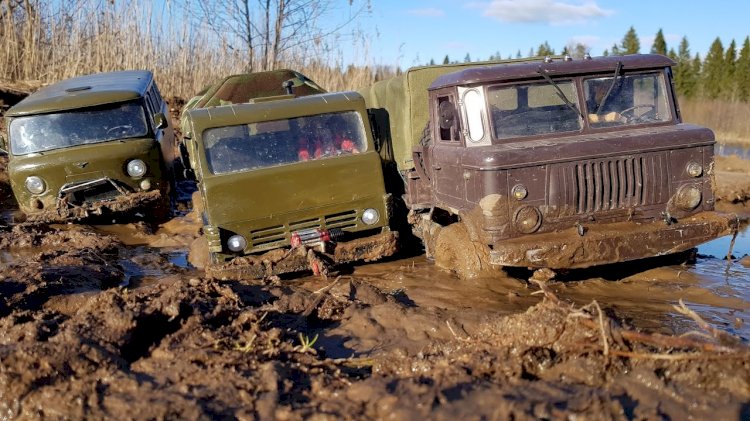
(44, 132)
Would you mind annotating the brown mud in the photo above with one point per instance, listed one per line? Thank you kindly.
(117, 322)
(111, 321)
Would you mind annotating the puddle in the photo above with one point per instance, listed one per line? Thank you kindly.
(644, 296)
(727, 150)
(146, 265)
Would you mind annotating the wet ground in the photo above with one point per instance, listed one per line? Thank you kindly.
(113, 321)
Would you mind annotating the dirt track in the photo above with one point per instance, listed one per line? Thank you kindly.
(101, 322)
(76, 343)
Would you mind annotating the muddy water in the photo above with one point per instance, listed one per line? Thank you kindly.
(642, 295)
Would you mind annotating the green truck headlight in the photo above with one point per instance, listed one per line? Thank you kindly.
(370, 216)
(236, 243)
(35, 185)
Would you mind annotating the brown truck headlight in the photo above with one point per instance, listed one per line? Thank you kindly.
(688, 197)
(35, 185)
(519, 192)
(527, 219)
(694, 169)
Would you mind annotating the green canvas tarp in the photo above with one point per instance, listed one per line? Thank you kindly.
(405, 99)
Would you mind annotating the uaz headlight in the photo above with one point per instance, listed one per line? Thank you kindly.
(136, 168)
(35, 185)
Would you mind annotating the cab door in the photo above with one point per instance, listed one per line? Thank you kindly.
(446, 151)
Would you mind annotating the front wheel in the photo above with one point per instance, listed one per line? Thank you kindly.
(455, 251)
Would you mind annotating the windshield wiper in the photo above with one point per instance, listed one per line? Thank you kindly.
(611, 86)
(559, 91)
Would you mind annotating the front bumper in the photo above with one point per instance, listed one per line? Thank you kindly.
(611, 243)
(64, 211)
(300, 259)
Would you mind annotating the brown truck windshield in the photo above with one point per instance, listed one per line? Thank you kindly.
(626, 100)
(44, 132)
(271, 143)
(532, 109)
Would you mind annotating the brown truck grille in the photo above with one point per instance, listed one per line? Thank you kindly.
(602, 185)
(277, 233)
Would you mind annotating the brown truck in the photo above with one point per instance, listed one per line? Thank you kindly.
(548, 163)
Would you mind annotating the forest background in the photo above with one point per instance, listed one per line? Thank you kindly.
(189, 43)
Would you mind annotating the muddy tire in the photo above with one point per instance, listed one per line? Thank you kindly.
(453, 250)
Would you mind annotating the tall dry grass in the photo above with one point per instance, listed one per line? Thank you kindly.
(50, 41)
(729, 120)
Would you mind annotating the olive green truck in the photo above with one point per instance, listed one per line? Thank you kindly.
(287, 182)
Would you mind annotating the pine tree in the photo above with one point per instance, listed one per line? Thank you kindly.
(630, 42)
(544, 50)
(696, 69)
(432, 62)
(616, 50)
(446, 60)
(713, 70)
(672, 54)
(660, 44)
(730, 62)
(467, 59)
(518, 54)
(685, 76)
(605, 53)
(742, 75)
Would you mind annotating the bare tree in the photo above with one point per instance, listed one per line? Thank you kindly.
(268, 31)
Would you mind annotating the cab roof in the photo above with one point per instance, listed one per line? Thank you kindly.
(85, 91)
(240, 88)
(275, 109)
(557, 67)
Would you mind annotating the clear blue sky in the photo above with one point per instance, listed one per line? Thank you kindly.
(411, 32)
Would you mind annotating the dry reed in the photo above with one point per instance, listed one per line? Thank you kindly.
(728, 120)
(46, 43)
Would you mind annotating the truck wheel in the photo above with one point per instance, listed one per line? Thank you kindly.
(454, 250)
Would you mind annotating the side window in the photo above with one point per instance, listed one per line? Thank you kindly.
(447, 119)
(150, 105)
(158, 100)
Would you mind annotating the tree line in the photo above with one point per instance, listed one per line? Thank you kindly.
(723, 74)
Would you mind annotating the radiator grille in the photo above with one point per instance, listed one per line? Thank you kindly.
(602, 185)
(279, 233)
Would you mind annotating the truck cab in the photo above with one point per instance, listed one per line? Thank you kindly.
(282, 172)
(560, 163)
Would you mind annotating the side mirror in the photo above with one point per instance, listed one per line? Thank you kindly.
(160, 120)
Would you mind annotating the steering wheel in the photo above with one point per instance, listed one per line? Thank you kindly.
(629, 113)
(119, 129)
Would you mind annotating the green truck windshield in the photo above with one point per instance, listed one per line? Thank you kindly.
(44, 132)
(279, 142)
(626, 100)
